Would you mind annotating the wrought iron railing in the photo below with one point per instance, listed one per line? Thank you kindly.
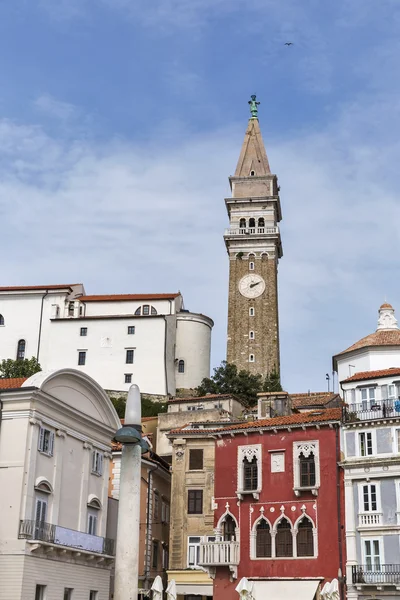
(371, 410)
(376, 574)
(54, 534)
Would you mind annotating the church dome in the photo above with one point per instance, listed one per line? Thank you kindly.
(385, 305)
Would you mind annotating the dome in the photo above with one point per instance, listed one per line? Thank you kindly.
(386, 306)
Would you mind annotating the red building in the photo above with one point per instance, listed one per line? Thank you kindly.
(278, 507)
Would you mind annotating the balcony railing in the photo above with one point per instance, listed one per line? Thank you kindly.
(379, 574)
(253, 231)
(369, 519)
(54, 534)
(214, 554)
(371, 410)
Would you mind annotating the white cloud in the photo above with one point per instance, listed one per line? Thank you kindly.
(50, 106)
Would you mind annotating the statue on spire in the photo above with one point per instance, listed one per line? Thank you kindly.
(254, 107)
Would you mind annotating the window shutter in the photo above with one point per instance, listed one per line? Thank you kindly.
(353, 396)
(51, 443)
(94, 461)
(41, 438)
(100, 464)
(384, 392)
(44, 511)
(38, 510)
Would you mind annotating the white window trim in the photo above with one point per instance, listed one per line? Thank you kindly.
(92, 515)
(361, 511)
(252, 358)
(97, 463)
(249, 452)
(305, 448)
(273, 530)
(358, 443)
(196, 545)
(371, 539)
(42, 432)
(251, 311)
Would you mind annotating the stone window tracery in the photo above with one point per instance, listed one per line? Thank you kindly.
(249, 470)
(306, 468)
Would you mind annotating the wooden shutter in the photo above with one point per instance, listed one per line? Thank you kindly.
(195, 459)
(51, 443)
(100, 463)
(41, 439)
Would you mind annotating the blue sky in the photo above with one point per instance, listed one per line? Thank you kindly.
(120, 122)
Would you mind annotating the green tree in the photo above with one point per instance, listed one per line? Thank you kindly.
(228, 380)
(9, 368)
(272, 382)
(149, 408)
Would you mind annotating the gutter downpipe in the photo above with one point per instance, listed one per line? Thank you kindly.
(341, 575)
(40, 324)
(149, 528)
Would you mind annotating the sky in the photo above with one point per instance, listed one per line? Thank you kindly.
(121, 121)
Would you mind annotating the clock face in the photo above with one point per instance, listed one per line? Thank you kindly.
(251, 286)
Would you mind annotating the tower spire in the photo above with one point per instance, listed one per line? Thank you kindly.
(253, 160)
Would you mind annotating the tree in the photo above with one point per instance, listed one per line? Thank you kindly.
(149, 408)
(228, 380)
(10, 369)
(272, 382)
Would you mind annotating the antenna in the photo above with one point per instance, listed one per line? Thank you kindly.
(328, 379)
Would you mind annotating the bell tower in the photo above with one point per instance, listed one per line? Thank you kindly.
(254, 247)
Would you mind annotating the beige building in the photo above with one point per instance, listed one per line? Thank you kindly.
(254, 247)
(55, 450)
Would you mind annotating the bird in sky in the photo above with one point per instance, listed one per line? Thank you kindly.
(288, 43)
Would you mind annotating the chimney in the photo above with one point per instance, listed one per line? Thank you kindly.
(274, 404)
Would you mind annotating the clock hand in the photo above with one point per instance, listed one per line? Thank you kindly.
(254, 284)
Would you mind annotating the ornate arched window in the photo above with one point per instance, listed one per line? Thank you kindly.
(261, 222)
(242, 223)
(284, 539)
(21, 350)
(305, 538)
(252, 223)
(1, 320)
(181, 366)
(263, 540)
(228, 529)
(250, 474)
(145, 310)
(307, 470)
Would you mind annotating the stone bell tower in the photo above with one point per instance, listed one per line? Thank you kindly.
(254, 247)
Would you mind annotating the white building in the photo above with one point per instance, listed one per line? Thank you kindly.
(116, 339)
(55, 448)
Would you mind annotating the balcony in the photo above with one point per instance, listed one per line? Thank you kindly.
(244, 231)
(219, 554)
(67, 538)
(369, 519)
(376, 575)
(371, 411)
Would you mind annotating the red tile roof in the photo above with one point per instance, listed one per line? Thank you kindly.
(123, 297)
(383, 337)
(313, 399)
(394, 371)
(17, 288)
(298, 419)
(11, 384)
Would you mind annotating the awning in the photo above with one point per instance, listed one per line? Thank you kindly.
(195, 589)
(301, 589)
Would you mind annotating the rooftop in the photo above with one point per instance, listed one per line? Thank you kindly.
(126, 297)
(382, 337)
(313, 399)
(12, 384)
(26, 288)
(362, 375)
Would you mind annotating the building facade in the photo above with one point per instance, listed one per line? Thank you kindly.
(55, 448)
(254, 247)
(116, 339)
(278, 506)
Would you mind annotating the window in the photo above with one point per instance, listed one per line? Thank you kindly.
(131, 329)
(196, 407)
(195, 502)
(367, 398)
(305, 538)
(372, 555)
(21, 350)
(154, 562)
(83, 331)
(164, 512)
(263, 540)
(251, 335)
(146, 309)
(97, 462)
(251, 358)
(242, 223)
(129, 357)
(228, 529)
(261, 222)
(365, 443)
(193, 551)
(128, 377)
(252, 173)
(71, 309)
(40, 517)
(80, 311)
(93, 595)
(165, 557)
(156, 511)
(40, 592)
(251, 311)
(369, 498)
(68, 593)
(92, 523)
(1, 320)
(181, 366)
(138, 311)
(251, 266)
(307, 470)
(195, 459)
(82, 358)
(252, 223)
(250, 474)
(284, 539)
(46, 441)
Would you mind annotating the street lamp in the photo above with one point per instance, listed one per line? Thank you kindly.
(127, 548)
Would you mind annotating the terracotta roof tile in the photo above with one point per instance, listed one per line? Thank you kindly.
(316, 416)
(383, 337)
(17, 288)
(394, 371)
(386, 305)
(123, 297)
(313, 399)
(11, 384)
